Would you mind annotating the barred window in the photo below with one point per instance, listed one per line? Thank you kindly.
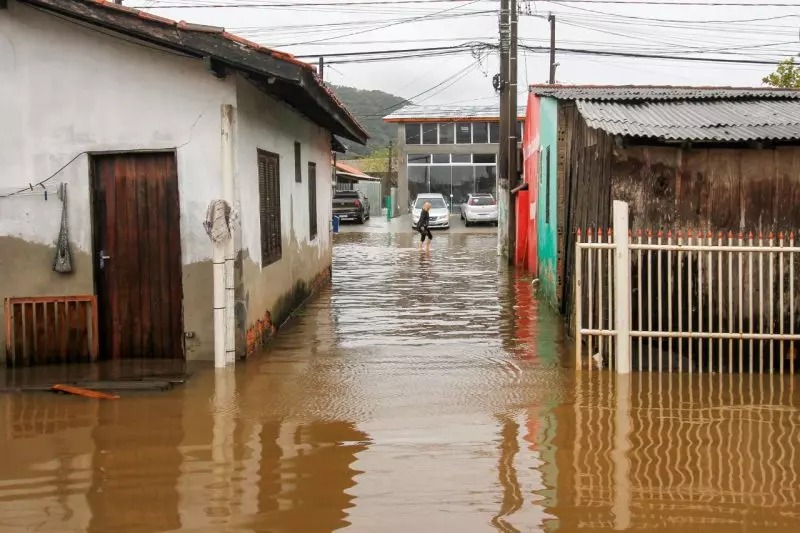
(298, 165)
(312, 200)
(269, 196)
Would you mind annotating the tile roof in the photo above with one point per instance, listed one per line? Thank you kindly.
(666, 92)
(417, 113)
(216, 43)
(344, 168)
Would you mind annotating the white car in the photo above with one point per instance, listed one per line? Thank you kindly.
(439, 213)
(479, 208)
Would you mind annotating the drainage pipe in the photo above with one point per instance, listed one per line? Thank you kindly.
(228, 195)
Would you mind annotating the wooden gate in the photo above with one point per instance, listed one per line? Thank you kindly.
(51, 329)
(138, 255)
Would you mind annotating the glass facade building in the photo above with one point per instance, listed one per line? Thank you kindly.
(447, 151)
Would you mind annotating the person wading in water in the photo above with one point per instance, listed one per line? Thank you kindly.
(422, 226)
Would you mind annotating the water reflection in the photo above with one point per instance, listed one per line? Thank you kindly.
(679, 451)
(512, 494)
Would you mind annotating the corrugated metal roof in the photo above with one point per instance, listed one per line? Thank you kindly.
(697, 120)
(411, 113)
(638, 92)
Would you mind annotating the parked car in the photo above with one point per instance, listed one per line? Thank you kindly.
(440, 211)
(479, 207)
(351, 205)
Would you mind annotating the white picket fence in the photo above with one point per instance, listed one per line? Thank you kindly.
(686, 301)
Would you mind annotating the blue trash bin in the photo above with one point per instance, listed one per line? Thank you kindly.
(335, 224)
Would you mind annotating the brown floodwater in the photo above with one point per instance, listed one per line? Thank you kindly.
(417, 393)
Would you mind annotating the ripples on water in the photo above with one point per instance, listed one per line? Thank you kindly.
(423, 393)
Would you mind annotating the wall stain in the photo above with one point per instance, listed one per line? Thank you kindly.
(262, 330)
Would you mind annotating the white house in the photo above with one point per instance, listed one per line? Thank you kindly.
(143, 119)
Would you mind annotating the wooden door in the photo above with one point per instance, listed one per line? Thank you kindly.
(138, 255)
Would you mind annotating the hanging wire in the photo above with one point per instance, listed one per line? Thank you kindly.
(39, 188)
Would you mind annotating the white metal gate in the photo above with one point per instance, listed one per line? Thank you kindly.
(686, 301)
(373, 191)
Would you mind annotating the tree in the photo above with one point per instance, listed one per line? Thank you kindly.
(786, 76)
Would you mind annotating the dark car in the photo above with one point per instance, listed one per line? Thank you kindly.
(351, 205)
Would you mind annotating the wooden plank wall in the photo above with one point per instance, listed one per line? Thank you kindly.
(585, 162)
(713, 189)
(668, 188)
(51, 330)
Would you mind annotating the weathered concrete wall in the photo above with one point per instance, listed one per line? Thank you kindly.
(67, 90)
(270, 293)
(115, 95)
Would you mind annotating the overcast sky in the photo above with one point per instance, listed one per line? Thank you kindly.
(755, 32)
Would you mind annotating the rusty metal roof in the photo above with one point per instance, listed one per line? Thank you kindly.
(435, 113)
(277, 73)
(699, 120)
(700, 114)
(654, 93)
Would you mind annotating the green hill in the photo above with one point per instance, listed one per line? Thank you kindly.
(370, 107)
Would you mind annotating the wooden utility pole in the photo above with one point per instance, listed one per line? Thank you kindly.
(553, 64)
(503, 190)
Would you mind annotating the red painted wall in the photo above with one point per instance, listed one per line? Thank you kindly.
(523, 220)
(526, 233)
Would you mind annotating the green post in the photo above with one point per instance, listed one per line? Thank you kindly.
(389, 207)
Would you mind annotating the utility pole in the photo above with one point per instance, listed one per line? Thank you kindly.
(553, 64)
(513, 147)
(503, 190)
(321, 68)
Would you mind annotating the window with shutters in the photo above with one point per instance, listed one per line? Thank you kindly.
(269, 196)
(312, 200)
(298, 165)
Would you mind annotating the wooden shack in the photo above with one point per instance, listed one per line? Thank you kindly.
(697, 158)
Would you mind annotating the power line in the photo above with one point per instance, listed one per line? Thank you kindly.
(394, 23)
(464, 46)
(653, 19)
(690, 3)
(198, 5)
(371, 3)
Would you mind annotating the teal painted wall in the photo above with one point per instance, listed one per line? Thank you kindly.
(546, 217)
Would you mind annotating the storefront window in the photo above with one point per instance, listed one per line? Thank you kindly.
(418, 179)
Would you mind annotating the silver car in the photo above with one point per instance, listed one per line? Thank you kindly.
(439, 213)
(479, 207)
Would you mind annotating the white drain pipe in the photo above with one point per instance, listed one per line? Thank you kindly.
(218, 259)
(228, 192)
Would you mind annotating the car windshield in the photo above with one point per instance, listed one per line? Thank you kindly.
(436, 203)
(482, 200)
(346, 194)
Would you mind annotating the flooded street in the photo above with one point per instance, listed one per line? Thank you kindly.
(416, 393)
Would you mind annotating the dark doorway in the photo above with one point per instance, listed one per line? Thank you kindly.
(137, 251)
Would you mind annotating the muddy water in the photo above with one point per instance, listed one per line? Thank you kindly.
(416, 394)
